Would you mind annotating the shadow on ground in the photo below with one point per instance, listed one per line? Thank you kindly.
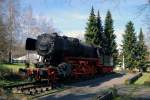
(79, 94)
(70, 97)
(97, 80)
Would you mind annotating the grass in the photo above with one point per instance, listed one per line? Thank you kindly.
(123, 98)
(12, 67)
(9, 74)
(144, 78)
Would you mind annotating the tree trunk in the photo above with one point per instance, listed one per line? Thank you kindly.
(10, 57)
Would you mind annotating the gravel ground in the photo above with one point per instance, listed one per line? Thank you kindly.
(87, 89)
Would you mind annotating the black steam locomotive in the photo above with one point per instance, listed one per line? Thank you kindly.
(62, 52)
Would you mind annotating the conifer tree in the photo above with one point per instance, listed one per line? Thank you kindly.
(99, 35)
(130, 46)
(110, 43)
(91, 28)
(141, 51)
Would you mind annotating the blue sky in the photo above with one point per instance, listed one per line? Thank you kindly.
(70, 16)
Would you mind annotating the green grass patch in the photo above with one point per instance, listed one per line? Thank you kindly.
(9, 74)
(123, 98)
(12, 67)
(144, 78)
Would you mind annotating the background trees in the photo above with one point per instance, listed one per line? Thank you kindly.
(3, 41)
(129, 46)
(110, 43)
(16, 24)
(99, 34)
(91, 28)
(103, 38)
(32, 25)
(10, 16)
(141, 52)
(134, 50)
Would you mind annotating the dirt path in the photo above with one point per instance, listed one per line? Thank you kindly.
(87, 89)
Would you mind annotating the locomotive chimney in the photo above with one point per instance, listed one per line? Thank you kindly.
(30, 44)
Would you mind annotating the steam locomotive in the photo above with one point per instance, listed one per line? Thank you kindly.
(67, 57)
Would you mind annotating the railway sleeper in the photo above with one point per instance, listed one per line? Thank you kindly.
(35, 91)
(31, 89)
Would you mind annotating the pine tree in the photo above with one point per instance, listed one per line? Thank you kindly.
(110, 43)
(99, 35)
(130, 46)
(142, 51)
(91, 28)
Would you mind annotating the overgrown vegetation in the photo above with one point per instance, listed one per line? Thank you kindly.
(9, 74)
(13, 67)
(16, 24)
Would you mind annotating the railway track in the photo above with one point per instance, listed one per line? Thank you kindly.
(41, 87)
(30, 88)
